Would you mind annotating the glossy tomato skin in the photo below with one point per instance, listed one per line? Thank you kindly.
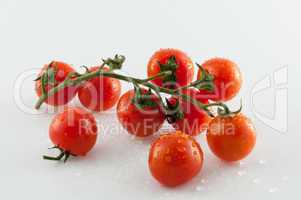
(184, 72)
(227, 78)
(142, 121)
(195, 120)
(74, 130)
(231, 138)
(175, 158)
(63, 96)
(99, 94)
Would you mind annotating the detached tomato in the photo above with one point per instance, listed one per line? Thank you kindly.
(175, 158)
(74, 132)
(227, 79)
(99, 94)
(194, 120)
(57, 73)
(142, 120)
(231, 138)
(171, 59)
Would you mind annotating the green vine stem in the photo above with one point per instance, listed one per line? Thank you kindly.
(76, 79)
(69, 81)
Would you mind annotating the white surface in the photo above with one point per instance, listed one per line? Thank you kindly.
(261, 36)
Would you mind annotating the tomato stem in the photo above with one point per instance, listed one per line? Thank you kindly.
(63, 154)
(58, 158)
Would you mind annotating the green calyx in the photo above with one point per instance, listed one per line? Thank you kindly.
(115, 63)
(142, 99)
(170, 65)
(205, 80)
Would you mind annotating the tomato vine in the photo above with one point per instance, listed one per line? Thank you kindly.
(205, 81)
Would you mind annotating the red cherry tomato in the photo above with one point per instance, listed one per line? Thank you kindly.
(141, 121)
(184, 67)
(227, 79)
(194, 119)
(74, 131)
(175, 158)
(231, 138)
(60, 72)
(99, 94)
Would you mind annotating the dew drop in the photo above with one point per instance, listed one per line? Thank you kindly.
(262, 162)
(256, 180)
(181, 149)
(179, 141)
(203, 181)
(272, 190)
(198, 188)
(241, 173)
(167, 159)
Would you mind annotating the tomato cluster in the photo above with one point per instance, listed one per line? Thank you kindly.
(175, 157)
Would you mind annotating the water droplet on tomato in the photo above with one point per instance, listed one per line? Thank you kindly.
(181, 149)
(167, 159)
(179, 141)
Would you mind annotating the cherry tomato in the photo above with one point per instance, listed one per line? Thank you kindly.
(231, 138)
(74, 131)
(182, 65)
(194, 120)
(99, 94)
(227, 79)
(175, 158)
(59, 72)
(141, 120)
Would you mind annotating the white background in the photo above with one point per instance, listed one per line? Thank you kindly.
(261, 36)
